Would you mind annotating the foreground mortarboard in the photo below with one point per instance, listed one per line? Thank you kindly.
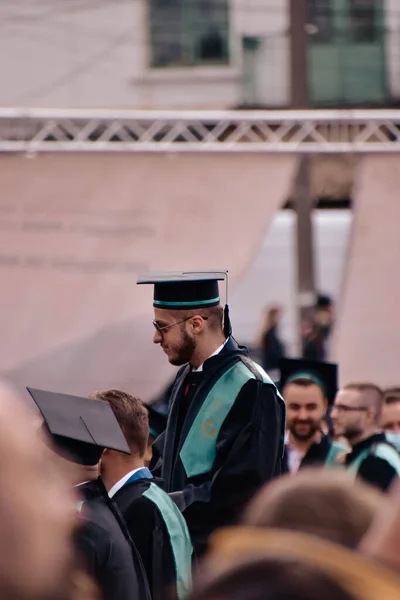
(325, 375)
(82, 427)
(187, 290)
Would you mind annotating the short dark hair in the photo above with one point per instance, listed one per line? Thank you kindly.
(373, 395)
(391, 395)
(213, 314)
(303, 382)
(131, 415)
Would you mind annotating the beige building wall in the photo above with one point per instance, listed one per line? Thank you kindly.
(96, 54)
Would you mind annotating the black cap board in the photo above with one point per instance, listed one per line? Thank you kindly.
(83, 427)
(187, 290)
(325, 375)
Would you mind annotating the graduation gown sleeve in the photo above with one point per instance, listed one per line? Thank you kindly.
(150, 537)
(109, 563)
(249, 449)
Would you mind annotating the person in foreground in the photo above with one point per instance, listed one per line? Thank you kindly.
(325, 503)
(79, 430)
(356, 415)
(36, 510)
(155, 523)
(309, 388)
(225, 431)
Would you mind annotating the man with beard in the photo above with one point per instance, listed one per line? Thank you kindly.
(390, 418)
(225, 431)
(356, 416)
(308, 388)
(79, 430)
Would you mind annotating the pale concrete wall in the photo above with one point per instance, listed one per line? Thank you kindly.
(94, 53)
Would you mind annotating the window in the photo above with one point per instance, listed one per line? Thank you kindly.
(320, 17)
(189, 32)
(363, 21)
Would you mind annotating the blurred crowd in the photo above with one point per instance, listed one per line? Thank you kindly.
(313, 532)
(82, 516)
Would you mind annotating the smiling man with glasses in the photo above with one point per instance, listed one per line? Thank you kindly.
(225, 431)
(356, 416)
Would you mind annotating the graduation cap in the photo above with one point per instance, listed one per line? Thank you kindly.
(187, 290)
(157, 420)
(80, 427)
(323, 301)
(325, 375)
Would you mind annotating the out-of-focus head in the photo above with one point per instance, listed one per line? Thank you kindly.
(308, 387)
(324, 313)
(270, 579)
(390, 418)
(272, 315)
(326, 503)
(357, 409)
(351, 573)
(37, 516)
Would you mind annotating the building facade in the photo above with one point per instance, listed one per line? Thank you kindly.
(206, 54)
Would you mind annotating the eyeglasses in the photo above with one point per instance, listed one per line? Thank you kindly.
(345, 408)
(162, 329)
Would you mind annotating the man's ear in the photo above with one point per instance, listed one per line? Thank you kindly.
(197, 324)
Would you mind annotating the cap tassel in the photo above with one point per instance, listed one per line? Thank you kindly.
(227, 322)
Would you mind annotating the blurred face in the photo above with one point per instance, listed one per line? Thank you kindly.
(37, 517)
(305, 409)
(174, 337)
(350, 417)
(390, 420)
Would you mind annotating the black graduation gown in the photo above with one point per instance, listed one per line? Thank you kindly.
(373, 470)
(315, 456)
(150, 536)
(105, 551)
(238, 449)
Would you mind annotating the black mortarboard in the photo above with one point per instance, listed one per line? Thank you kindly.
(157, 420)
(80, 427)
(323, 301)
(187, 290)
(325, 375)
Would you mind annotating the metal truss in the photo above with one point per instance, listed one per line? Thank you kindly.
(310, 131)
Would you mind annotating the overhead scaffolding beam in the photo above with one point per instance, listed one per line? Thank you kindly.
(297, 131)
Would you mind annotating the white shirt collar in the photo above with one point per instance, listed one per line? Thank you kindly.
(218, 350)
(115, 488)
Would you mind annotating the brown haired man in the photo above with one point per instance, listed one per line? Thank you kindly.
(390, 418)
(309, 389)
(356, 416)
(155, 524)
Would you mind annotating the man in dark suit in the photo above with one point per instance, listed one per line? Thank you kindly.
(79, 429)
(155, 524)
(225, 431)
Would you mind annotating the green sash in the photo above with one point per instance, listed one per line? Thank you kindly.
(179, 536)
(199, 449)
(383, 451)
(334, 451)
